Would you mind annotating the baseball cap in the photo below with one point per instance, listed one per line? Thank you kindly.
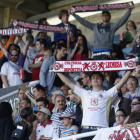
(43, 110)
(106, 12)
(67, 115)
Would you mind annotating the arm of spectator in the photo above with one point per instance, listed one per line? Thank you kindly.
(89, 53)
(66, 80)
(33, 134)
(3, 49)
(25, 49)
(44, 69)
(35, 66)
(123, 20)
(123, 80)
(73, 51)
(4, 80)
(82, 21)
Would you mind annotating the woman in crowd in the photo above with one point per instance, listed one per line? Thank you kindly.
(6, 121)
(120, 117)
(80, 51)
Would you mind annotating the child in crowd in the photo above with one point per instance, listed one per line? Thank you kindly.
(68, 121)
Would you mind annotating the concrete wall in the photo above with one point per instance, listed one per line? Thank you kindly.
(116, 15)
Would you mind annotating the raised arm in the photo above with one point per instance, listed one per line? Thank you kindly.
(35, 66)
(82, 21)
(66, 80)
(73, 51)
(25, 49)
(3, 49)
(123, 80)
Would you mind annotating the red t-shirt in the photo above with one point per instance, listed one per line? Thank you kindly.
(79, 57)
(35, 73)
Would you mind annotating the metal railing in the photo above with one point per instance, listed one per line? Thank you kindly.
(78, 136)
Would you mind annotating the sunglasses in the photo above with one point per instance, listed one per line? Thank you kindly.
(135, 103)
(121, 115)
(14, 54)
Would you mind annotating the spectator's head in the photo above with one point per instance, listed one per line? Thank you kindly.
(5, 109)
(38, 88)
(130, 25)
(24, 103)
(97, 79)
(64, 16)
(79, 82)
(62, 41)
(31, 40)
(56, 92)
(71, 95)
(40, 45)
(13, 46)
(21, 94)
(27, 114)
(82, 42)
(86, 78)
(106, 16)
(43, 115)
(14, 55)
(68, 119)
(40, 94)
(117, 80)
(65, 90)
(132, 83)
(47, 54)
(61, 50)
(120, 116)
(124, 89)
(135, 105)
(42, 102)
(42, 21)
(4, 39)
(60, 102)
(79, 32)
(134, 117)
(41, 35)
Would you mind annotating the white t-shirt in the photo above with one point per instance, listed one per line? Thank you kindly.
(31, 54)
(12, 71)
(96, 106)
(49, 131)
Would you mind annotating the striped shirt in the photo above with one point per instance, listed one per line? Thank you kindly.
(56, 114)
(69, 131)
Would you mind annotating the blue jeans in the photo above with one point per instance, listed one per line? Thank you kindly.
(99, 57)
(87, 130)
(126, 51)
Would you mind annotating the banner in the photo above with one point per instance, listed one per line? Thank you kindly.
(41, 27)
(126, 132)
(94, 65)
(12, 31)
(104, 7)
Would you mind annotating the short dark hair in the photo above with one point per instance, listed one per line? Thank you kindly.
(136, 79)
(5, 109)
(38, 34)
(138, 98)
(16, 46)
(42, 42)
(39, 87)
(65, 41)
(122, 110)
(40, 21)
(61, 45)
(88, 74)
(134, 25)
(25, 112)
(63, 11)
(134, 117)
(107, 12)
(44, 100)
(27, 100)
(99, 73)
(80, 81)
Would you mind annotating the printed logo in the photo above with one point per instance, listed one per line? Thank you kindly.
(101, 96)
(57, 66)
(93, 66)
(86, 66)
(94, 101)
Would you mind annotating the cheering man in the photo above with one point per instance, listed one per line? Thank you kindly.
(96, 101)
(103, 33)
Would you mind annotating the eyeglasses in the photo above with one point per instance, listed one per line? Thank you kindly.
(14, 54)
(133, 82)
(135, 103)
(120, 115)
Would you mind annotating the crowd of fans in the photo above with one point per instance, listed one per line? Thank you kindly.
(64, 104)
